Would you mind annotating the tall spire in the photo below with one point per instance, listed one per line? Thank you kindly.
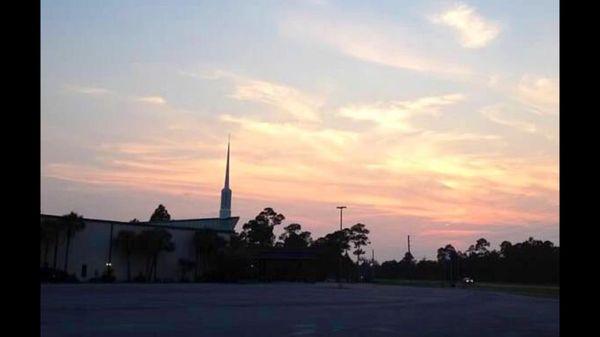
(225, 211)
(227, 166)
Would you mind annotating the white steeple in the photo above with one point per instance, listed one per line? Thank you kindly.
(225, 211)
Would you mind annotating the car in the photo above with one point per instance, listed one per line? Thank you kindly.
(468, 280)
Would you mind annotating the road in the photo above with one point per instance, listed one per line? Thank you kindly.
(290, 309)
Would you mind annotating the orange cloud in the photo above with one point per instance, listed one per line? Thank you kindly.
(390, 169)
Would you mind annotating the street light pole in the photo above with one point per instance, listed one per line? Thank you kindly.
(341, 208)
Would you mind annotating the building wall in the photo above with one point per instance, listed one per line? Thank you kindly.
(92, 246)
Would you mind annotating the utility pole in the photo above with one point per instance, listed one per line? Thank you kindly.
(372, 265)
(341, 208)
(410, 254)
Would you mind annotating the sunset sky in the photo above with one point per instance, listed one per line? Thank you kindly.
(435, 119)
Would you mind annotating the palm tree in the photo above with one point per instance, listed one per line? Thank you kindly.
(206, 243)
(125, 242)
(142, 245)
(44, 242)
(49, 232)
(151, 243)
(72, 223)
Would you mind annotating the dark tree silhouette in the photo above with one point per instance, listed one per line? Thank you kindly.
(480, 248)
(151, 243)
(532, 261)
(259, 231)
(359, 238)
(72, 223)
(331, 248)
(57, 231)
(505, 246)
(160, 214)
(336, 242)
(244, 255)
(408, 258)
(50, 233)
(294, 237)
(206, 244)
(126, 243)
(185, 266)
(445, 252)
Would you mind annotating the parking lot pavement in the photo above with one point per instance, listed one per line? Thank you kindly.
(290, 309)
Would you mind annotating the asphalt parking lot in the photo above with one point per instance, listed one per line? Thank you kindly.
(290, 309)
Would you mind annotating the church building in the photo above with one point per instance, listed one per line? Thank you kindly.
(92, 250)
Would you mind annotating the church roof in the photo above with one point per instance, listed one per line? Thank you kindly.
(184, 224)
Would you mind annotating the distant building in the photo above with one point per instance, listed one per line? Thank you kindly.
(93, 249)
(286, 264)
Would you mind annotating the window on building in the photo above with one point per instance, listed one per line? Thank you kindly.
(84, 270)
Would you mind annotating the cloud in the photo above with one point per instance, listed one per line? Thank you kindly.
(95, 91)
(291, 102)
(158, 100)
(286, 99)
(396, 114)
(499, 114)
(414, 175)
(451, 233)
(474, 30)
(424, 177)
(304, 142)
(374, 42)
(396, 169)
(540, 93)
(391, 169)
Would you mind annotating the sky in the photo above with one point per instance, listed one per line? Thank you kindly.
(434, 119)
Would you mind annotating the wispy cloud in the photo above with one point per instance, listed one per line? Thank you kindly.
(540, 93)
(285, 99)
(372, 42)
(451, 233)
(499, 114)
(298, 140)
(474, 30)
(411, 123)
(396, 114)
(158, 100)
(414, 173)
(95, 91)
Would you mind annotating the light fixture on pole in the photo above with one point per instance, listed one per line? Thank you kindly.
(341, 208)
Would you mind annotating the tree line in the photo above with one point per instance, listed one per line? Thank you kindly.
(241, 259)
(242, 256)
(531, 261)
